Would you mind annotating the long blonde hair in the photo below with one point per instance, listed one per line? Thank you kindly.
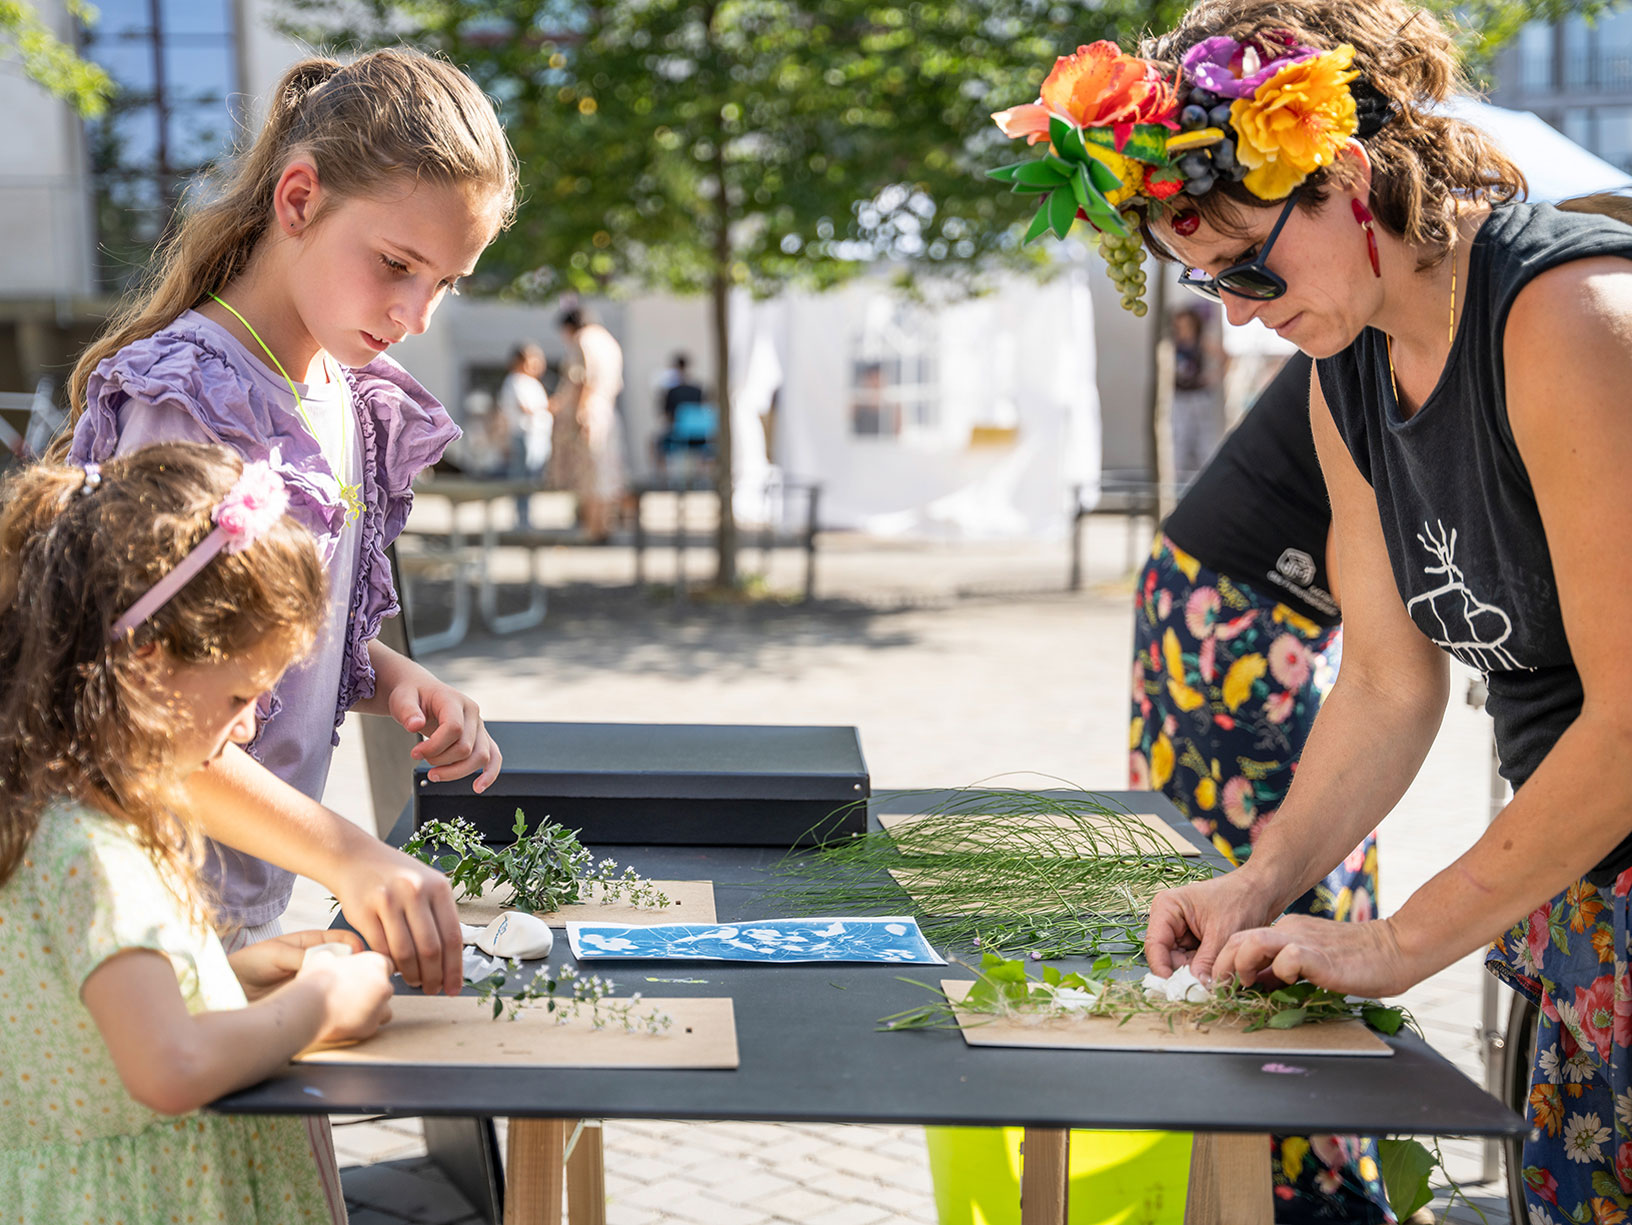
(367, 125)
(78, 719)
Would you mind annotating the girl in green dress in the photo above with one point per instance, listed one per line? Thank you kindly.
(145, 606)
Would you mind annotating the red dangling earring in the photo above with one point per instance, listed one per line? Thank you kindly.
(1362, 214)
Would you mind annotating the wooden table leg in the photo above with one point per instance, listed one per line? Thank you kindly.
(534, 1175)
(1045, 1176)
(586, 1178)
(1230, 1181)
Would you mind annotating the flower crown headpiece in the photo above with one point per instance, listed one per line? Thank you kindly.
(254, 504)
(1264, 112)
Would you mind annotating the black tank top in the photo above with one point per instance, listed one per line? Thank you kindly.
(1465, 537)
(1258, 511)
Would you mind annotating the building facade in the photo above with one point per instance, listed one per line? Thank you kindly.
(1578, 77)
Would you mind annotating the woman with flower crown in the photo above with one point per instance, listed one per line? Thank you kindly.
(1468, 408)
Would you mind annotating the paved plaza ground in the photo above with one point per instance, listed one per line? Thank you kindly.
(958, 663)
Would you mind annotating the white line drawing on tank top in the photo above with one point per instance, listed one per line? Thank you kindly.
(1470, 629)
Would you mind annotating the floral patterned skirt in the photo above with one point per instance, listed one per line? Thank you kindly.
(1570, 956)
(1226, 684)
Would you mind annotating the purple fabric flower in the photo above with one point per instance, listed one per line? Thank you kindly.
(1232, 69)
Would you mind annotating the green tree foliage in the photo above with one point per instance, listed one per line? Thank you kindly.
(50, 62)
(700, 146)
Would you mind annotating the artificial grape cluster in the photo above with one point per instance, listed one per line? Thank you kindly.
(1203, 167)
(1125, 257)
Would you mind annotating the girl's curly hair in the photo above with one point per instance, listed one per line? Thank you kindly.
(79, 716)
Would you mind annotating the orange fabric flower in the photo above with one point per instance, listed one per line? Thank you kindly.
(1296, 122)
(1029, 120)
(1101, 86)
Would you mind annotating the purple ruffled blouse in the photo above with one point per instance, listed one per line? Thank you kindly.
(194, 380)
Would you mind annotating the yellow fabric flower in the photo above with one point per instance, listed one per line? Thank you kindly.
(1238, 681)
(1295, 123)
(1161, 762)
(1184, 697)
(1296, 620)
(1136, 732)
(1173, 656)
(1293, 1150)
(1206, 793)
(1188, 566)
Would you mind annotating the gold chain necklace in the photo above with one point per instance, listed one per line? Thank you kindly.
(351, 496)
(1450, 334)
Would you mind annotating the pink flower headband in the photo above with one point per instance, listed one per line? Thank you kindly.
(254, 504)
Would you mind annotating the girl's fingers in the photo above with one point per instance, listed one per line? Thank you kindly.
(398, 943)
(429, 946)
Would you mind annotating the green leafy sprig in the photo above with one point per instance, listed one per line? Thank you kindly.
(1003, 988)
(1056, 875)
(568, 995)
(545, 870)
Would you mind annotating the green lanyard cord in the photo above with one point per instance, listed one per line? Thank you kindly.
(349, 494)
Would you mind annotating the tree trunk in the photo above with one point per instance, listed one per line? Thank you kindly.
(1159, 403)
(724, 483)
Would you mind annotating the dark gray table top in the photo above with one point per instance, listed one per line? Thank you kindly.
(810, 1052)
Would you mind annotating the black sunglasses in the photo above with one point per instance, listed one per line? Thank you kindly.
(1248, 280)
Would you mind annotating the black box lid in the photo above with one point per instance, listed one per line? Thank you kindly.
(672, 761)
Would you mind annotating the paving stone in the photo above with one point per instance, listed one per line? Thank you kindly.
(707, 1209)
(851, 1213)
(648, 1170)
(757, 1186)
(799, 1204)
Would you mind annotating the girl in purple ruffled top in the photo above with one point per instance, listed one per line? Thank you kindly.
(370, 191)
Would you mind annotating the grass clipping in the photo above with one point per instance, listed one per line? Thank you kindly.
(1053, 874)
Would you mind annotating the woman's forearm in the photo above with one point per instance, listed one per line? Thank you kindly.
(1364, 749)
(1562, 822)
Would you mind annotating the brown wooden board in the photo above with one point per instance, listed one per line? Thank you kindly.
(1151, 1033)
(690, 901)
(435, 1031)
(1113, 837)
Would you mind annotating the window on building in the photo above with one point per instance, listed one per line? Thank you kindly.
(1613, 36)
(175, 62)
(1579, 63)
(1535, 54)
(894, 386)
(1613, 132)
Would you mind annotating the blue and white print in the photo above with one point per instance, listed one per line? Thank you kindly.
(892, 940)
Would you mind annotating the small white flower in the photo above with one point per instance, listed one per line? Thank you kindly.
(1548, 1063)
(1623, 1108)
(1540, 1216)
(1583, 1135)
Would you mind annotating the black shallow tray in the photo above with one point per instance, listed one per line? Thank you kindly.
(810, 1052)
(676, 784)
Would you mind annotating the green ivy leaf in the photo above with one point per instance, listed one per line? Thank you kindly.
(1406, 1165)
(1287, 1018)
(1383, 1020)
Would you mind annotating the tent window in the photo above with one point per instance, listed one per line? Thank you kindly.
(894, 386)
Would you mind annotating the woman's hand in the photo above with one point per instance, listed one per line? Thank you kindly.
(266, 965)
(1355, 958)
(405, 909)
(1190, 925)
